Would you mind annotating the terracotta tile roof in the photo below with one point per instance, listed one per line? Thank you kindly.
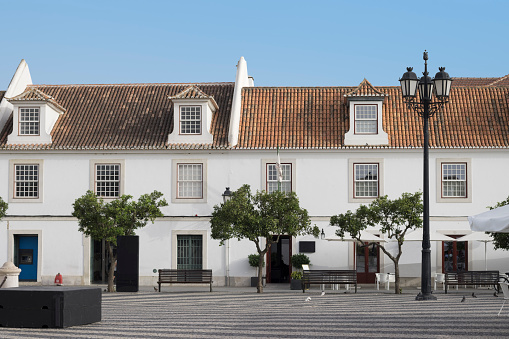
(502, 81)
(193, 92)
(127, 116)
(365, 89)
(33, 94)
(317, 117)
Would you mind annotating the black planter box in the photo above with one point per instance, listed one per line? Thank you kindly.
(296, 284)
(49, 306)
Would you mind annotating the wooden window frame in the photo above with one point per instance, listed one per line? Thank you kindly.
(118, 181)
(267, 165)
(181, 120)
(37, 122)
(355, 181)
(37, 181)
(179, 181)
(465, 181)
(357, 119)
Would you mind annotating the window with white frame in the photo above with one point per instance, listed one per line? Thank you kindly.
(366, 180)
(190, 181)
(107, 180)
(29, 121)
(190, 119)
(366, 119)
(26, 181)
(272, 178)
(454, 180)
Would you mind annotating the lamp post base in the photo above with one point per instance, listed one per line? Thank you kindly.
(421, 296)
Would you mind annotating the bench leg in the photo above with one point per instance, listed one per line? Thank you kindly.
(210, 287)
(159, 286)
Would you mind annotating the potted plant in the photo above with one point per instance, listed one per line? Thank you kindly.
(297, 261)
(253, 262)
(296, 281)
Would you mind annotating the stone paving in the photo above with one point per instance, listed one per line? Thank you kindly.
(193, 312)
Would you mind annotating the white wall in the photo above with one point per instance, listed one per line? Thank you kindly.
(321, 184)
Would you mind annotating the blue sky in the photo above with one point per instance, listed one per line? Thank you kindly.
(285, 43)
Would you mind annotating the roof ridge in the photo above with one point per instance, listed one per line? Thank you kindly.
(499, 80)
(136, 84)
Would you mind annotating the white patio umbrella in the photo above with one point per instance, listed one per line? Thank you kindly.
(365, 237)
(482, 237)
(495, 220)
(433, 236)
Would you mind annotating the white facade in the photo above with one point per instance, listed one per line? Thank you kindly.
(322, 180)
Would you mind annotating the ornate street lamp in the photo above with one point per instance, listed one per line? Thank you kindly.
(227, 195)
(426, 107)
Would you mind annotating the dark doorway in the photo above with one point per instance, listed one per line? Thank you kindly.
(99, 262)
(454, 255)
(367, 262)
(278, 260)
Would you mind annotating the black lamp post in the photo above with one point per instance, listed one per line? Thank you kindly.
(426, 107)
(227, 195)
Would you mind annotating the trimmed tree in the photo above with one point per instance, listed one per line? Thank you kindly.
(100, 220)
(3, 208)
(395, 218)
(260, 216)
(500, 240)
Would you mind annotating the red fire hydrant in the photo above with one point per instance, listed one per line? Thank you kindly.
(58, 279)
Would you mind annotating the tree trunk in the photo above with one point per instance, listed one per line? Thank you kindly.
(259, 287)
(396, 282)
(111, 270)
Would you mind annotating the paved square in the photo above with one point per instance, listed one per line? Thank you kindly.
(286, 314)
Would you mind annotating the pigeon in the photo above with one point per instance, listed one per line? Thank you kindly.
(473, 295)
(495, 294)
(463, 299)
(155, 289)
(308, 299)
(323, 293)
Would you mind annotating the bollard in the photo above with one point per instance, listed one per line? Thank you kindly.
(9, 275)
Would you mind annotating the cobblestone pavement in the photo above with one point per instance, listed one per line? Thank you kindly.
(241, 313)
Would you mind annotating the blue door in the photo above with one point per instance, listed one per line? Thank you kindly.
(27, 257)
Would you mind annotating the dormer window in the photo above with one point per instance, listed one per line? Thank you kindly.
(366, 119)
(365, 105)
(190, 119)
(35, 114)
(29, 119)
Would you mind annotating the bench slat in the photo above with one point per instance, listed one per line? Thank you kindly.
(178, 276)
(329, 277)
(471, 278)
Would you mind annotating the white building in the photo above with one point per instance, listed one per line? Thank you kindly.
(340, 147)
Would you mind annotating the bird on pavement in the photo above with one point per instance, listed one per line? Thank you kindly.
(323, 293)
(155, 289)
(308, 299)
(463, 299)
(473, 295)
(495, 294)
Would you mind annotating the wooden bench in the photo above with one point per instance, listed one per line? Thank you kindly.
(475, 278)
(176, 276)
(332, 277)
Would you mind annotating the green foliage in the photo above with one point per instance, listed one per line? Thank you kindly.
(500, 240)
(296, 275)
(122, 216)
(300, 259)
(3, 208)
(394, 217)
(260, 216)
(254, 259)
